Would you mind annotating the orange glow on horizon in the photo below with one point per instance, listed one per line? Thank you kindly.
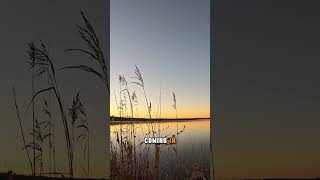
(200, 112)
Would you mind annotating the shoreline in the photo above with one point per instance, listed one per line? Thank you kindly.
(118, 120)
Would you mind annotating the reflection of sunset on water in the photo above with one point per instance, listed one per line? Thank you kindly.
(198, 128)
(191, 142)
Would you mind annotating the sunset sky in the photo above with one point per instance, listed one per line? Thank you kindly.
(169, 41)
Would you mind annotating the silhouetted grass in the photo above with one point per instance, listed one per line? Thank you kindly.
(41, 62)
(124, 83)
(79, 120)
(93, 50)
(10, 175)
(21, 129)
(130, 161)
(139, 81)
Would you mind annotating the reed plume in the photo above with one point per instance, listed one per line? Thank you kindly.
(41, 63)
(139, 81)
(93, 50)
(79, 120)
(174, 103)
(124, 83)
(135, 101)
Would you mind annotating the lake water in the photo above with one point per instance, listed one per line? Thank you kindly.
(192, 148)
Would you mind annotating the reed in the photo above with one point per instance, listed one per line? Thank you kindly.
(84, 137)
(93, 50)
(41, 63)
(33, 118)
(124, 83)
(51, 144)
(175, 103)
(135, 102)
(139, 81)
(46, 126)
(130, 161)
(79, 120)
(118, 107)
(21, 129)
(40, 134)
(175, 107)
(38, 144)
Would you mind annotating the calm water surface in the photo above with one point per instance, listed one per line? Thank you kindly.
(192, 141)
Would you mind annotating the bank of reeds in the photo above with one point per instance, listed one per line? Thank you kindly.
(130, 161)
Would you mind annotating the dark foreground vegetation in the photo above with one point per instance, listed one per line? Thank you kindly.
(286, 179)
(39, 143)
(12, 176)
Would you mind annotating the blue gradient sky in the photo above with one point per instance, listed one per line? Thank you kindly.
(169, 41)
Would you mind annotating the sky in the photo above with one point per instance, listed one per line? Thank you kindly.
(54, 22)
(266, 89)
(169, 42)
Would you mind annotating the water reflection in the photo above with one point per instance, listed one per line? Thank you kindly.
(189, 157)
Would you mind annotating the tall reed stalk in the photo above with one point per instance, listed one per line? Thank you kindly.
(40, 136)
(175, 107)
(79, 120)
(93, 50)
(33, 123)
(140, 83)
(124, 82)
(175, 103)
(42, 63)
(51, 146)
(135, 102)
(47, 111)
(21, 130)
(38, 145)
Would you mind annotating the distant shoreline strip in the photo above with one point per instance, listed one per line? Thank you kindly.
(117, 120)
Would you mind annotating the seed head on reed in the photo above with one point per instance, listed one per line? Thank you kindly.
(93, 50)
(139, 81)
(123, 82)
(135, 102)
(79, 120)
